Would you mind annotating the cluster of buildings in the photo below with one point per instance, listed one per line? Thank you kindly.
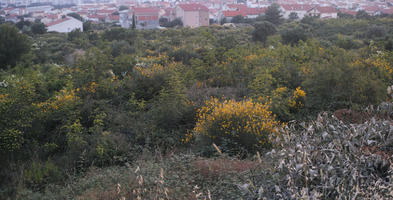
(193, 13)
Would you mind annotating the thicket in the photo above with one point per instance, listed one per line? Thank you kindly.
(102, 97)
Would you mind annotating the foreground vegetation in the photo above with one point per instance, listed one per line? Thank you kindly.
(113, 113)
(322, 159)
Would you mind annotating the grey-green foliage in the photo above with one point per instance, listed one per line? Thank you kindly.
(327, 159)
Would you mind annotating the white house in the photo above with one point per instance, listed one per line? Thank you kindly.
(299, 9)
(323, 12)
(65, 25)
(125, 19)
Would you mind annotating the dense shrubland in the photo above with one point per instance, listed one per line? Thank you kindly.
(147, 105)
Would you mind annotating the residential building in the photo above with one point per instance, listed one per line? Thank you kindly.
(348, 12)
(146, 18)
(125, 19)
(65, 25)
(232, 10)
(49, 18)
(193, 15)
(323, 12)
(299, 9)
(387, 11)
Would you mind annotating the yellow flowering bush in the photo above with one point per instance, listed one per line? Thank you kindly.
(247, 123)
(285, 103)
(381, 63)
(64, 98)
(297, 100)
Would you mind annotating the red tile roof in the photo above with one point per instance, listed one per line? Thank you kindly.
(82, 12)
(96, 16)
(12, 16)
(244, 11)
(105, 11)
(114, 17)
(327, 9)
(168, 12)
(256, 11)
(193, 7)
(350, 12)
(90, 6)
(52, 16)
(237, 6)
(297, 7)
(388, 11)
(146, 10)
(58, 21)
(147, 18)
(233, 13)
(371, 8)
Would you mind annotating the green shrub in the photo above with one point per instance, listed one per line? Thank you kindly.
(39, 174)
(294, 35)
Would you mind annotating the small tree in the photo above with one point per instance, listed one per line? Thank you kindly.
(133, 26)
(293, 16)
(238, 19)
(294, 35)
(361, 14)
(223, 21)
(87, 26)
(13, 45)
(273, 14)
(389, 45)
(122, 7)
(22, 23)
(38, 28)
(76, 16)
(163, 21)
(344, 15)
(375, 31)
(119, 47)
(176, 22)
(74, 35)
(263, 30)
(307, 19)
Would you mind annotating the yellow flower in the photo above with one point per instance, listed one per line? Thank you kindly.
(238, 119)
(3, 96)
(65, 97)
(299, 92)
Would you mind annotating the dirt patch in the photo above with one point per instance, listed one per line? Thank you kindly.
(223, 166)
(350, 116)
(386, 155)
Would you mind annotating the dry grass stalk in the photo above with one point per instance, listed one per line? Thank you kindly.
(217, 149)
(259, 157)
